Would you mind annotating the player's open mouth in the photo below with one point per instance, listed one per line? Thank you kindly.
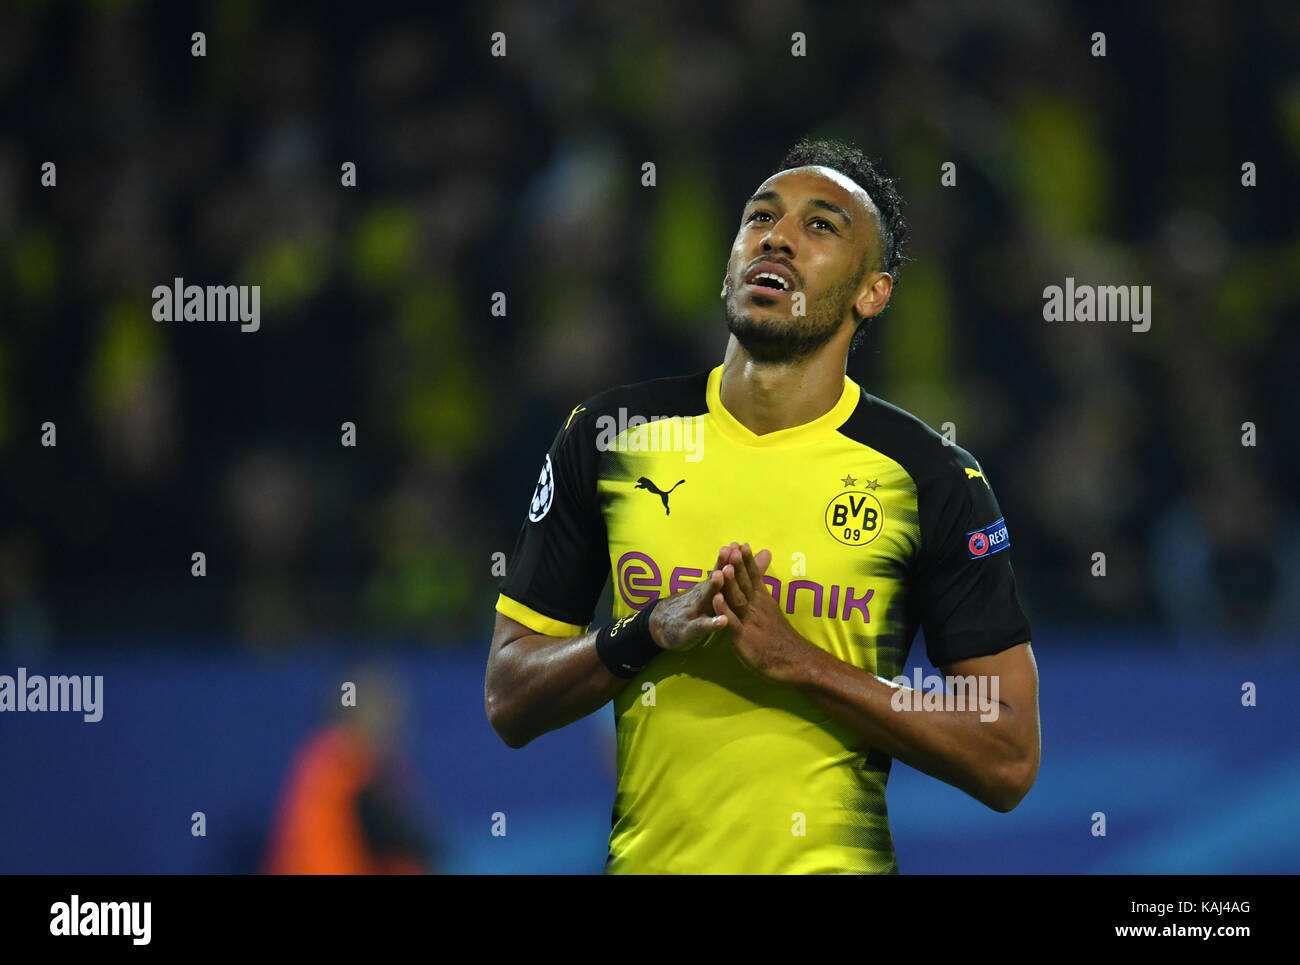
(770, 279)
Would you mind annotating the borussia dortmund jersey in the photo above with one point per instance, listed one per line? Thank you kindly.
(876, 528)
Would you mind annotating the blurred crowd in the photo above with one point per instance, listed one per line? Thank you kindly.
(521, 174)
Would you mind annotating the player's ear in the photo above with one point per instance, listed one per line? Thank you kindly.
(726, 285)
(872, 300)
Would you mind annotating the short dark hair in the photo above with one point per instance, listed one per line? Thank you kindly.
(872, 178)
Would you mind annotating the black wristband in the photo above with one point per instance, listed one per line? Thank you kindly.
(625, 646)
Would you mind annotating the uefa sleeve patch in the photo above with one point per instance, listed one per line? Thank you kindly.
(544, 494)
(991, 539)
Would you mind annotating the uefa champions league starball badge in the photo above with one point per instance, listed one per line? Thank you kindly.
(544, 493)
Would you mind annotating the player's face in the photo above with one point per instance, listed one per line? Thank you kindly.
(797, 263)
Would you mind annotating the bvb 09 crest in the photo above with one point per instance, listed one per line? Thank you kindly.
(854, 518)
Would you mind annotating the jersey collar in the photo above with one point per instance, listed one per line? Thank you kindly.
(729, 426)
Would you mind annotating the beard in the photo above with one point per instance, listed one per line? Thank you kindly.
(787, 340)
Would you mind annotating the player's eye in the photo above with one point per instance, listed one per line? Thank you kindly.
(759, 214)
(823, 221)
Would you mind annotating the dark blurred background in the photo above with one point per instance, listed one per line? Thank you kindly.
(478, 174)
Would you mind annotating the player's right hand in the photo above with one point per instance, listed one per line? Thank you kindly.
(682, 621)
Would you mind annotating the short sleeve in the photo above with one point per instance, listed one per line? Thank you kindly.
(965, 588)
(560, 561)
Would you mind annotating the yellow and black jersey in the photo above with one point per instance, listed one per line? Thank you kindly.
(876, 527)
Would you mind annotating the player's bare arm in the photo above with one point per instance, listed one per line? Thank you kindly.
(995, 761)
(538, 683)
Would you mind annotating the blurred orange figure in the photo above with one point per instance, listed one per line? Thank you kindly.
(339, 813)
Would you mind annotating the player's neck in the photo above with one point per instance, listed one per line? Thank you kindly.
(767, 397)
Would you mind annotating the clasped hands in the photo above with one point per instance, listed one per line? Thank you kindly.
(734, 600)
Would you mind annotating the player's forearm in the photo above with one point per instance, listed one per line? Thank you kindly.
(539, 683)
(984, 758)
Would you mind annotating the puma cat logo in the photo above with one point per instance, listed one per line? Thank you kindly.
(972, 473)
(644, 483)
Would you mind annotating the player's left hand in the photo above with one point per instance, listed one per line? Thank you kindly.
(761, 637)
